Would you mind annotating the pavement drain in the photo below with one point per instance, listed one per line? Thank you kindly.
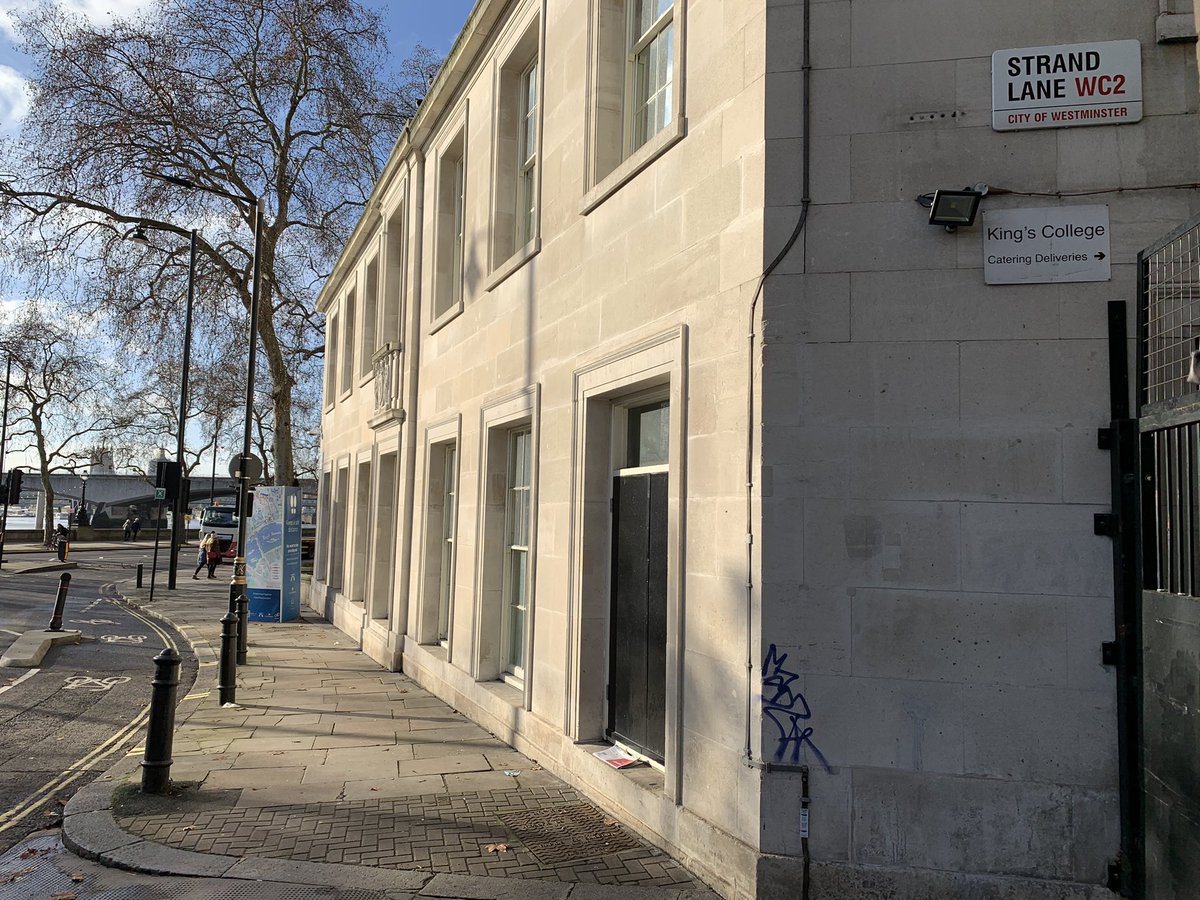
(564, 834)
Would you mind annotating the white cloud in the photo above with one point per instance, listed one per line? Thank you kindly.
(14, 99)
(96, 11)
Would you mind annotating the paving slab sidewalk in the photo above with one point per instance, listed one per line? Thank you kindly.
(330, 764)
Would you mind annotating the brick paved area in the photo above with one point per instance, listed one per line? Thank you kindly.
(433, 832)
(327, 758)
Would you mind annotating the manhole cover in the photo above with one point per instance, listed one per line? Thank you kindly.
(564, 834)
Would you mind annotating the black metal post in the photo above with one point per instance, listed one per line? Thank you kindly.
(81, 517)
(177, 532)
(227, 672)
(60, 602)
(156, 761)
(237, 586)
(3, 447)
(1124, 443)
(139, 574)
(243, 615)
(212, 477)
(154, 559)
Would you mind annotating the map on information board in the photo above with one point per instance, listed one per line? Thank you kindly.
(273, 555)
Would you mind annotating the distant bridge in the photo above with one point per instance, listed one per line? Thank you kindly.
(110, 497)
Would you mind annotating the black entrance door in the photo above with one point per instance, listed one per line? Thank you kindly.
(638, 666)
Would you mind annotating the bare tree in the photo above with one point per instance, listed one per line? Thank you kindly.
(63, 397)
(282, 99)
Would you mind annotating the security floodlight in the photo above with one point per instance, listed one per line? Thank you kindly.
(954, 208)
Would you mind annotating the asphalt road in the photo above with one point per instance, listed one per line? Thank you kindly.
(68, 720)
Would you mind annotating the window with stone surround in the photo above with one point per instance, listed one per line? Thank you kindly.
(515, 178)
(346, 381)
(435, 624)
(635, 97)
(508, 537)
(450, 242)
(332, 333)
(366, 350)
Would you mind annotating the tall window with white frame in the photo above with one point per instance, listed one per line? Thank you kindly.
(458, 179)
(451, 225)
(449, 515)
(527, 156)
(348, 327)
(331, 361)
(516, 552)
(651, 59)
(370, 314)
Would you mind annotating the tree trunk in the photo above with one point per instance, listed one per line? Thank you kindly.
(282, 383)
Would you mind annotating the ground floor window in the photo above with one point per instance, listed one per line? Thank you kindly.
(516, 551)
(446, 562)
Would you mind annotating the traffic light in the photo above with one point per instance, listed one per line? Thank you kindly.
(166, 475)
(14, 486)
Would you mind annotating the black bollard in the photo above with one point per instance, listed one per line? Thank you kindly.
(139, 575)
(243, 615)
(227, 673)
(60, 602)
(160, 732)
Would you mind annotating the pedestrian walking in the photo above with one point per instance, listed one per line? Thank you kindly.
(127, 527)
(202, 553)
(136, 526)
(214, 555)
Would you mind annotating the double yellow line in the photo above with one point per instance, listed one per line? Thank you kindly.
(80, 767)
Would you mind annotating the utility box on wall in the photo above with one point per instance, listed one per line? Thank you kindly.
(273, 555)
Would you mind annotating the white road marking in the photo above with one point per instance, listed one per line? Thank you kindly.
(28, 674)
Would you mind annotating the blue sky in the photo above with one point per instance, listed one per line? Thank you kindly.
(435, 23)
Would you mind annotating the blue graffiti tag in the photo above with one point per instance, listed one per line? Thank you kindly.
(787, 708)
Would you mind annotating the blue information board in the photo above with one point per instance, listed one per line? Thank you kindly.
(273, 555)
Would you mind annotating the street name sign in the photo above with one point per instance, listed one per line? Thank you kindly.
(1046, 245)
(1067, 85)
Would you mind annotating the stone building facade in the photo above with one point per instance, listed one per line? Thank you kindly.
(657, 414)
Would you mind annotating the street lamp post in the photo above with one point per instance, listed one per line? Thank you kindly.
(177, 532)
(237, 587)
(81, 518)
(212, 478)
(180, 501)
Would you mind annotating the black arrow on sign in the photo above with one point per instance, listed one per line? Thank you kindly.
(1099, 256)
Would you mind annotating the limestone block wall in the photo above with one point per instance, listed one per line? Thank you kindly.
(930, 467)
(639, 281)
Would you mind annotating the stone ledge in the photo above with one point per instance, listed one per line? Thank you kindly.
(1172, 28)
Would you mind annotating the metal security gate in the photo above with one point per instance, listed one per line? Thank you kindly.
(1156, 467)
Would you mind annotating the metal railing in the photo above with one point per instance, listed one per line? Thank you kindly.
(1170, 315)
